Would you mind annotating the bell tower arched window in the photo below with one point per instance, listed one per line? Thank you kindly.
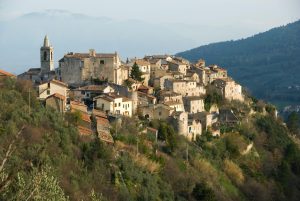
(45, 56)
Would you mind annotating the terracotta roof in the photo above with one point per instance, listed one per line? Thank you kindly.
(6, 73)
(87, 55)
(57, 95)
(126, 99)
(77, 103)
(177, 62)
(92, 88)
(84, 131)
(193, 98)
(168, 93)
(132, 80)
(142, 62)
(152, 129)
(169, 103)
(59, 83)
(99, 113)
(102, 121)
(78, 106)
(143, 87)
(106, 137)
(85, 117)
(147, 95)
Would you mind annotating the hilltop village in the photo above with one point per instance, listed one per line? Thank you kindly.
(163, 87)
(151, 128)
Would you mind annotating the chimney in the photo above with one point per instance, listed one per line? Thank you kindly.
(92, 53)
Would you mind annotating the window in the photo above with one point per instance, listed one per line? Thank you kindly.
(119, 104)
(45, 56)
(82, 92)
(101, 61)
(48, 84)
(115, 104)
(51, 55)
(48, 92)
(102, 106)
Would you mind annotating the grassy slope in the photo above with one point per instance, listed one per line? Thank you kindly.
(215, 170)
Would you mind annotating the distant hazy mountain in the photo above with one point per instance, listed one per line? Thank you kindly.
(21, 38)
(268, 64)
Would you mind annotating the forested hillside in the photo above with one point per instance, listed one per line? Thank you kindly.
(43, 157)
(268, 63)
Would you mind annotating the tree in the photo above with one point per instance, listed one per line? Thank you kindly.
(136, 74)
(293, 122)
(202, 192)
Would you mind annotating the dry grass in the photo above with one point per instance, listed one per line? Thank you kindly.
(146, 163)
(234, 172)
(140, 160)
(207, 171)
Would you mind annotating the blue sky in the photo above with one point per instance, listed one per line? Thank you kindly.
(259, 13)
(135, 28)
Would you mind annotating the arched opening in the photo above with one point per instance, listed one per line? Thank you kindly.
(147, 116)
(45, 56)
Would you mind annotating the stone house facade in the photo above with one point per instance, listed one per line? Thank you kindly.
(193, 104)
(57, 102)
(185, 88)
(79, 68)
(229, 89)
(52, 87)
(114, 104)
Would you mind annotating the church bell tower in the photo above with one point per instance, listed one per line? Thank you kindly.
(46, 52)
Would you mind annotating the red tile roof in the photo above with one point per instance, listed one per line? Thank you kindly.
(102, 121)
(6, 73)
(87, 55)
(84, 131)
(57, 95)
(59, 83)
(99, 113)
(106, 137)
(85, 117)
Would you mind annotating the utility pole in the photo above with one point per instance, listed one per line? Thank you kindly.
(29, 101)
(156, 136)
(137, 147)
(187, 153)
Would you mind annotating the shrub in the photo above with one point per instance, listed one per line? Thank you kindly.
(234, 172)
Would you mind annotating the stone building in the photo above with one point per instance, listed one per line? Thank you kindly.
(57, 102)
(179, 120)
(157, 111)
(185, 87)
(80, 68)
(166, 96)
(194, 129)
(193, 104)
(114, 104)
(178, 66)
(52, 87)
(159, 82)
(89, 92)
(229, 89)
(178, 106)
(46, 57)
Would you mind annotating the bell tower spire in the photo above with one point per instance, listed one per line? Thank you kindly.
(46, 42)
(46, 56)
